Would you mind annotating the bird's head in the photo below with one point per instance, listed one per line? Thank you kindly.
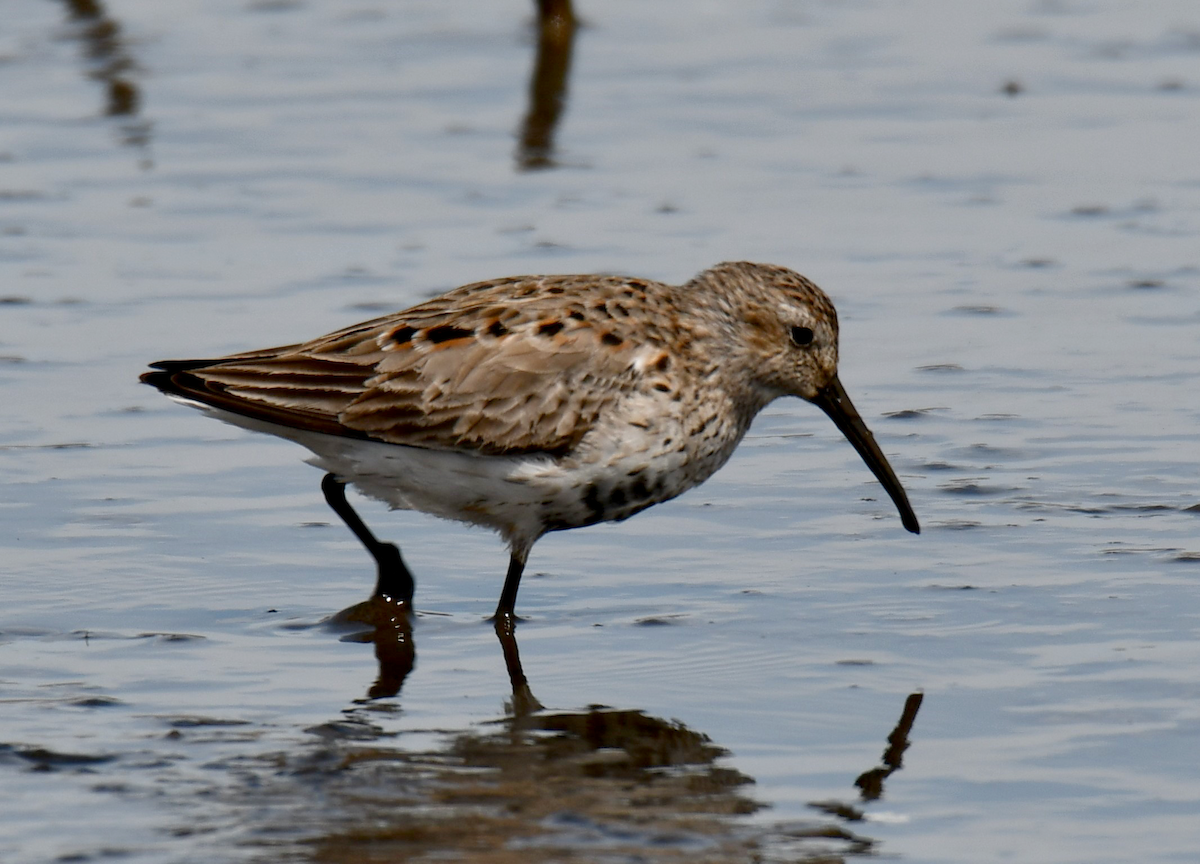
(786, 332)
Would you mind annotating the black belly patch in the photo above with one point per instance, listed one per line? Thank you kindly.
(616, 504)
(594, 503)
(638, 490)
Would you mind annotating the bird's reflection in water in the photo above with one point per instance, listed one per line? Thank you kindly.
(387, 624)
(539, 785)
(870, 783)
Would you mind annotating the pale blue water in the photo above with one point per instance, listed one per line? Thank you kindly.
(1018, 279)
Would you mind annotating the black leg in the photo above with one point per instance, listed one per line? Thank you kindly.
(394, 580)
(508, 597)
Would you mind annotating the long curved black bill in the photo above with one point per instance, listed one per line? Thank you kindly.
(832, 399)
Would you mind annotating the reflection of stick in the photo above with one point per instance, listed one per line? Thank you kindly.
(871, 782)
(556, 14)
(103, 45)
(548, 87)
(110, 62)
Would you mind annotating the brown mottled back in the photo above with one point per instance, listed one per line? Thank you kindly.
(511, 366)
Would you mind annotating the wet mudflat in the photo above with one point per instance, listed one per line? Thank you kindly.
(1004, 202)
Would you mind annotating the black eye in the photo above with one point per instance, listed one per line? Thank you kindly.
(802, 335)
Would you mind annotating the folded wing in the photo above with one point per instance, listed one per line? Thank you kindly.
(495, 368)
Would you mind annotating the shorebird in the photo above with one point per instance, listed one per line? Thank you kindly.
(539, 403)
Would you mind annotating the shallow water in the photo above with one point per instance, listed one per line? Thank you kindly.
(1004, 202)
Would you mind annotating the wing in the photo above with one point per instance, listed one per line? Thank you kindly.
(515, 366)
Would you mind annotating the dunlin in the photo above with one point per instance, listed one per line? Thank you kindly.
(539, 403)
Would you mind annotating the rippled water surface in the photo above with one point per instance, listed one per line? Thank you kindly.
(1004, 201)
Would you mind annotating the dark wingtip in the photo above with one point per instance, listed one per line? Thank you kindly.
(167, 378)
(163, 377)
(179, 365)
(910, 522)
(160, 380)
(155, 379)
